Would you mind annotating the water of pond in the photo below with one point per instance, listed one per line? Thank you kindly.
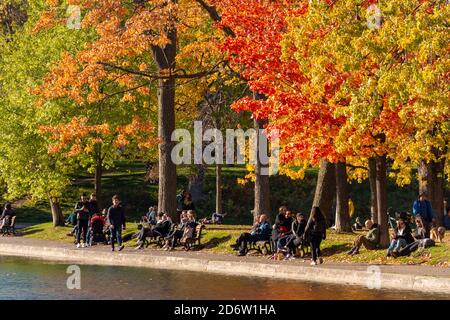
(35, 279)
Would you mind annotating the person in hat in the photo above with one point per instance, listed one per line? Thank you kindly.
(422, 207)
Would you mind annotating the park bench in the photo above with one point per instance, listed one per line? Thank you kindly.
(196, 238)
(262, 247)
(159, 240)
(303, 249)
(9, 228)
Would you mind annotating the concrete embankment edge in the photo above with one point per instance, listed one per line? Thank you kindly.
(367, 278)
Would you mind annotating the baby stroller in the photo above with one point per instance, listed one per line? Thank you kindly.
(97, 234)
(7, 225)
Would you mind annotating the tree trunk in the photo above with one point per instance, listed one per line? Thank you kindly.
(165, 60)
(262, 185)
(325, 189)
(381, 186)
(57, 216)
(342, 213)
(196, 184)
(98, 180)
(373, 189)
(219, 188)
(431, 181)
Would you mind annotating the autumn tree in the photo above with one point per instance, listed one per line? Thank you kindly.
(25, 165)
(139, 45)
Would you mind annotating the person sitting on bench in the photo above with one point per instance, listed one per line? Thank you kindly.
(186, 230)
(296, 238)
(161, 229)
(260, 232)
(370, 241)
(285, 231)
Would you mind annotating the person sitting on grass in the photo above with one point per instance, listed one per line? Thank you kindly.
(261, 232)
(315, 232)
(400, 238)
(357, 225)
(420, 241)
(217, 218)
(420, 232)
(370, 241)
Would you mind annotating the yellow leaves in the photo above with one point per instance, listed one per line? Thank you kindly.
(128, 97)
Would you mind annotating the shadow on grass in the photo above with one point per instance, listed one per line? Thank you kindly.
(336, 249)
(214, 242)
(231, 228)
(33, 215)
(22, 233)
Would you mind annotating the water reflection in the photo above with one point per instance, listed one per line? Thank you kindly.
(32, 279)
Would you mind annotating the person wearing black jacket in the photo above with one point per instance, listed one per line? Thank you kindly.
(93, 205)
(82, 225)
(401, 237)
(279, 220)
(161, 229)
(116, 218)
(315, 232)
(298, 229)
(7, 216)
(285, 231)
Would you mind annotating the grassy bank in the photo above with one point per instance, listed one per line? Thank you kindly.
(218, 238)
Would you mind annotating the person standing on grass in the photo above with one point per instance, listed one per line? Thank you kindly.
(116, 218)
(422, 207)
(315, 232)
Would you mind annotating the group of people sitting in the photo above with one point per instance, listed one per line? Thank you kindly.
(287, 234)
(7, 219)
(403, 239)
(160, 226)
(91, 226)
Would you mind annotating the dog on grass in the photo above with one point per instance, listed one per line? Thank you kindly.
(437, 234)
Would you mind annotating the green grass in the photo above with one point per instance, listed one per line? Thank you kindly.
(218, 238)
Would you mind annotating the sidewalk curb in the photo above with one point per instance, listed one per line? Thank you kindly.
(383, 280)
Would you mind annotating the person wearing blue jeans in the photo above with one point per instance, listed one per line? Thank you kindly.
(116, 218)
(400, 238)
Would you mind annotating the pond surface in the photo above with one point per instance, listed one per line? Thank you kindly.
(35, 279)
